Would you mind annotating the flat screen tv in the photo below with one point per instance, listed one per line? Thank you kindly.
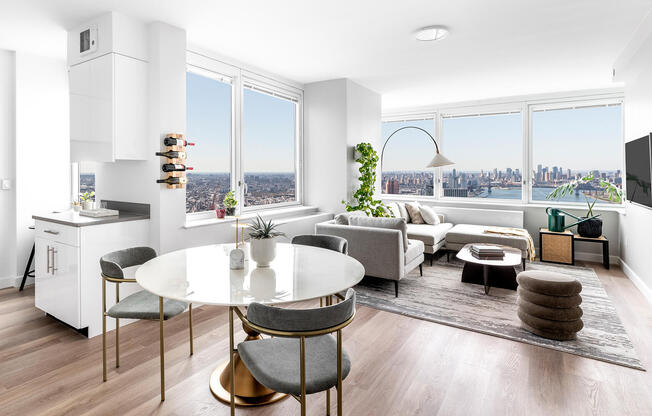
(638, 171)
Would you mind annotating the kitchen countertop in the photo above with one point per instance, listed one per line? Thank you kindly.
(73, 219)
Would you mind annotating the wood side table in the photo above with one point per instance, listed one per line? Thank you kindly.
(556, 247)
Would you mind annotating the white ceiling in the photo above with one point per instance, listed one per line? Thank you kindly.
(496, 48)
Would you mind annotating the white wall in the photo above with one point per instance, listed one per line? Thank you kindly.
(35, 151)
(338, 114)
(42, 143)
(7, 168)
(633, 67)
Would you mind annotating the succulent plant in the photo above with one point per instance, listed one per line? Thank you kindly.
(261, 229)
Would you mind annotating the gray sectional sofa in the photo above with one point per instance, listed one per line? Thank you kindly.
(392, 253)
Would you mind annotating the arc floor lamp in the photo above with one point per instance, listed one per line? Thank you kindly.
(437, 161)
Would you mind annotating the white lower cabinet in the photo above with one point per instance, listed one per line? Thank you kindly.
(57, 283)
(68, 284)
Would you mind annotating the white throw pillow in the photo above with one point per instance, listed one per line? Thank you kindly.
(429, 215)
(393, 209)
(403, 212)
(413, 211)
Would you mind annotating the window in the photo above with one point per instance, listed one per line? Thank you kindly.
(406, 152)
(488, 153)
(247, 133)
(268, 148)
(569, 143)
(209, 125)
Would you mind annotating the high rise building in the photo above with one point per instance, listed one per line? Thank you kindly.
(391, 186)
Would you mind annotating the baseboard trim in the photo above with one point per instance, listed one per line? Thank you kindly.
(638, 282)
(6, 282)
(595, 257)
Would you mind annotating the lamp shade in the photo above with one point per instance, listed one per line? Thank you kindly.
(439, 160)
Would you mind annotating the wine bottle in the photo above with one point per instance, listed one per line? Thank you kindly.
(171, 141)
(170, 180)
(172, 154)
(175, 167)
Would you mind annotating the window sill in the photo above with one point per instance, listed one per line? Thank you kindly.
(498, 204)
(266, 213)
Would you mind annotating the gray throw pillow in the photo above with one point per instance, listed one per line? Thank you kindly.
(415, 213)
(391, 223)
(343, 218)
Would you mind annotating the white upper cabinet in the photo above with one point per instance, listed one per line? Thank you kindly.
(108, 90)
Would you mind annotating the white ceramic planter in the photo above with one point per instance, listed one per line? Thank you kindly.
(263, 251)
(88, 205)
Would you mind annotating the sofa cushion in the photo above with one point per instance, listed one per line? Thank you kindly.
(413, 211)
(393, 209)
(391, 223)
(430, 234)
(469, 233)
(403, 211)
(343, 218)
(415, 249)
(429, 215)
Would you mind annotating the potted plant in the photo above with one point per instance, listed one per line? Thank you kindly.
(263, 243)
(365, 154)
(230, 203)
(591, 227)
(86, 200)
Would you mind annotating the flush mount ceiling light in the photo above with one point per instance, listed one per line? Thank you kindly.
(431, 33)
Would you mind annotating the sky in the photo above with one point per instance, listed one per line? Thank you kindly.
(579, 139)
(268, 128)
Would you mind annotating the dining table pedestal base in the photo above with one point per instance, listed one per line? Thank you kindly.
(248, 391)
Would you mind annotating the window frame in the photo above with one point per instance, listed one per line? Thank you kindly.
(207, 66)
(572, 105)
(260, 86)
(480, 112)
(526, 106)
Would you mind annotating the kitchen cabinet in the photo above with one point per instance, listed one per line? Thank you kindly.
(108, 109)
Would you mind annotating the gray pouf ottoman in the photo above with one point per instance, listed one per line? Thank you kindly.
(549, 304)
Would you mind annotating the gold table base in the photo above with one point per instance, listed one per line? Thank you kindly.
(248, 391)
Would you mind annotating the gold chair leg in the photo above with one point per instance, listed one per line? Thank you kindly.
(231, 363)
(103, 329)
(162, 349)
(190, 327)
(303, 376)
(328, 402)
(339, 372)
(117, 328)
(117, 342)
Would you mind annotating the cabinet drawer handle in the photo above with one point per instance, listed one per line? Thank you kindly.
(51, 232)
(53, 253)
(47, 256)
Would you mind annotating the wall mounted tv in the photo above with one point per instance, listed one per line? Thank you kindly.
(638, 169)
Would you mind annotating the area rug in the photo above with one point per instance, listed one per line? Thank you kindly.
(439, 296)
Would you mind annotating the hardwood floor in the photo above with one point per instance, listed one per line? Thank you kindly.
(401, 366)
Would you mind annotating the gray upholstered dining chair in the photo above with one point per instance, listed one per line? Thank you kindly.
(329, 242)
(303, 357)
(139, 305)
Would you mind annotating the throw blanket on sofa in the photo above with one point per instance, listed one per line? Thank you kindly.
(519, 232)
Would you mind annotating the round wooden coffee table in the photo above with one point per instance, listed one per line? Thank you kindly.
(496, 273)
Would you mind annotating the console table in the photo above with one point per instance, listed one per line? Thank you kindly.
(601, 240)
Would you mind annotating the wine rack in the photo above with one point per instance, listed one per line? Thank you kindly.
(174, 160)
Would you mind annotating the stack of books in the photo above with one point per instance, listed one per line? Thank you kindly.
(486, 252)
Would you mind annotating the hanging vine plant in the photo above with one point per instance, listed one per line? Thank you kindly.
(364, 196)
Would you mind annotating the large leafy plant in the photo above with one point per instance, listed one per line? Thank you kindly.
(611, 192)
(261, 229)
(364, 196)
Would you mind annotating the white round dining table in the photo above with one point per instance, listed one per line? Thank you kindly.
(202, 275)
